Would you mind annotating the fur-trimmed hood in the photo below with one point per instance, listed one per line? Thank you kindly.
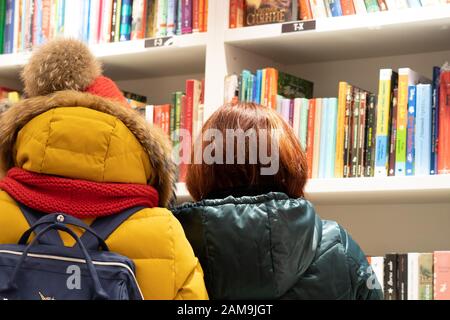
(152, 140)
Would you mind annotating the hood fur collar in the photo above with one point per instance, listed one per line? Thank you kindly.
(152, 139)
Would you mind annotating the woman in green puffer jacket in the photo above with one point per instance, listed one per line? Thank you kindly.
(255, 234)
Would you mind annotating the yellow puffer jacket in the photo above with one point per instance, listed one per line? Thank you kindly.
(81, 136)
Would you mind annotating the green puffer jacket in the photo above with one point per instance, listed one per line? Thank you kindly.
(272, 247)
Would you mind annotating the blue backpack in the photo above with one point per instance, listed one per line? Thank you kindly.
(47, 270)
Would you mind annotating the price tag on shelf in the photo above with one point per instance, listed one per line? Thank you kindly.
(159, 42)
(298, 26)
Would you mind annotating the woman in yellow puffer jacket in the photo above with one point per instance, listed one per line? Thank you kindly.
(73, 146)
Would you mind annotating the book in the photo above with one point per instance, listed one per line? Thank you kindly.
(317, 138)
(335, 7)
(149, 113)
(435, 121)
(393, 133)
(318, 9)
(332, 108)
(305, 12)
(423, 129)
(414, 3)
(310, 136)
(139, 19)
(161, 117)
(118, 21)
(372, 5)
(387, 84)
(236, 14)
(186, 18)
(264, 12)
(172, 9)
(390, 276)
(360, 7)
(406, 77)
(377, 264)
(394, 5)
(411, 128)
(425, 276)
(371, 127)
(8, 29)
(347, 7)
(125, 20)
(382, 5)
(323, 139)
(354, 137)
(402, 276)
(444, 119)
(348, 131)
(161, 18)
(340, 131)
(413, 276)
(285, 106)
(441, 275)
(202, 16)
(195, 16)
(303, 129)
(362, 133)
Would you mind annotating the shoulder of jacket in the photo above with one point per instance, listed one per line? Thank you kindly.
(332, 234)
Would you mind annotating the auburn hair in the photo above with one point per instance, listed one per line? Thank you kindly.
(205, 179)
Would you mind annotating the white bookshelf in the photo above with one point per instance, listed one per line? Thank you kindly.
(383, 214)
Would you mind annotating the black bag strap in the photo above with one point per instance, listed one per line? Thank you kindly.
(105, 226)
(32, 216)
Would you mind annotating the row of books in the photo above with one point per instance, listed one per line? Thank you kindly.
(399, 131)
(184, 112)
(254, 12)
(27, 23)
(413, 276)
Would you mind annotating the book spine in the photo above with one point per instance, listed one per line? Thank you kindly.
(36, 23)
(335, 7)
(323, 139)
(402, 277)
(317, 138)
(383, 117)
(118, 20)
(187, 16)
(347, 131)
(138, 28)
(390, 277)
(411, 131)
(423, 129)
(318, 9)
(444, 120)
(304, 122)
(291, 113)
(441, 275)
(113, 21)
(382, 5)
(393, 133)
(207, 10)
(285, 109)
(362, 133)
(172, 9)
(413, 276)
(435, 121)
(360, 6)
(340, 132)
(161, 25)
(8, 46)
(331, 137)
(305, 11)
(195, 16)
(414, 3)
(274, 88)
(18, 25)
(106, 20)
(426, 276)
(371, 126)
(372, 5)
(354, 134)
(310, 136)
(173, 117)
(201, 16)
(125, 21)
(347, 7)
(402, 119)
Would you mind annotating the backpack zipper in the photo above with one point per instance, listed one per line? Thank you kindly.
(66, 259)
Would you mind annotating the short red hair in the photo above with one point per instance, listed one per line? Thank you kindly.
(205, 179)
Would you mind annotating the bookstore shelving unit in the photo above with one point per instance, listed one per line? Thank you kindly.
(393, 214)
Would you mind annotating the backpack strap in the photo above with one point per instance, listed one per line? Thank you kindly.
(105, 226)
(32, 216)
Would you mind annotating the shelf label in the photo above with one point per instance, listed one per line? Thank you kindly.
(159, 42)
(298, 26)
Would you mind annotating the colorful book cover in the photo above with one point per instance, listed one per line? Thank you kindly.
(348, 130)
(388, 82)
(371, 126)
(426, 276)
(406, 78)
(264, 12)
(323, 139)
(305, 10)
(354, 133)
(390, 277)
(372, 5)
(139, 19)
(411, 129)
(186, 16)
(441, 275)
(310, 136)
(172, 9)
(444, 120)
(362, 133)
(332, 108)
(340, 134)
(393, 134)
(335, 7)
(317, 138)
(435, 121)
(423, 129)
(125, 21)
(347, 7)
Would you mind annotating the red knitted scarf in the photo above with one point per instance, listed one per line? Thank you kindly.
(79, 198)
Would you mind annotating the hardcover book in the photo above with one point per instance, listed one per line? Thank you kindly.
(267, 11)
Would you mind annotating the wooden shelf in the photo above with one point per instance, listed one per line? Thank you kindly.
(392, 190)
(131, 60)
(387, 33)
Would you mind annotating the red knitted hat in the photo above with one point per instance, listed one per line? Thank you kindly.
(105, 88)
